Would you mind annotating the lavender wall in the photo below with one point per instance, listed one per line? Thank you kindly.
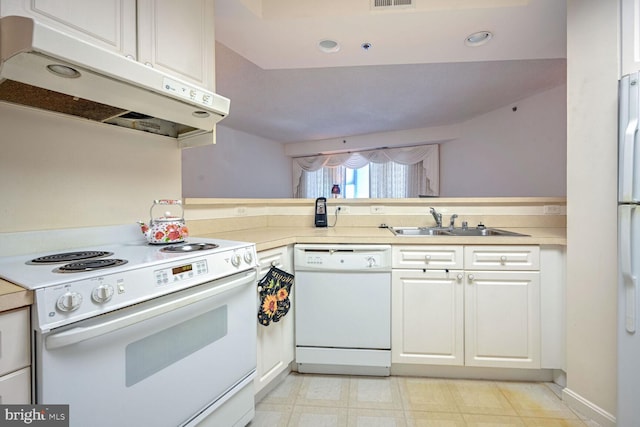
(239, 165)
(499, 154)
(510, 153)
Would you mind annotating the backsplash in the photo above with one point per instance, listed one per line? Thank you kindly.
(61, 172)
(205, 215)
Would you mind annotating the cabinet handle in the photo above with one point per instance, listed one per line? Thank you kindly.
(148, 64)
(470, 278)
(427, 258)
(129, 56)
(459, 277)
(503, 260)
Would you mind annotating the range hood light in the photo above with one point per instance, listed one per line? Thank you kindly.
(200, 114)
(63, 71)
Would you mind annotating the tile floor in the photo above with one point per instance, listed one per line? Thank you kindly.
(306, 400)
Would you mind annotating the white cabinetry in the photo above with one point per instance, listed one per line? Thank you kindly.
(472, 306)
(427, 323)
(276, 341)
(15, 357)
(427, 301)
(502, 306)
(630, 37)
(175, 37)
(110, 24)
(428, 257)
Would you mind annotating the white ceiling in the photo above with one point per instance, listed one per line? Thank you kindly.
(419, 73)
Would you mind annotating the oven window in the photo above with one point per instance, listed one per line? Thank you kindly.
(160, 350)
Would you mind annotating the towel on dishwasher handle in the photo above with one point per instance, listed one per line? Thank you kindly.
(274, 289)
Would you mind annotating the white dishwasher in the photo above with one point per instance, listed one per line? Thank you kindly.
(343, 309)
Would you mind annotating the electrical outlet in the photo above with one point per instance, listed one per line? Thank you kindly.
(342, 209)
(376, 209)
(241, 211)
(552, 210)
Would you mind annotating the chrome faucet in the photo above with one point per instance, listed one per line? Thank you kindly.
(437, 216)
(453, 220)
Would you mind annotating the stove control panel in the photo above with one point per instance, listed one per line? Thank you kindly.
(69, 301)
(86, 295)
(167, 276)
(102, 293)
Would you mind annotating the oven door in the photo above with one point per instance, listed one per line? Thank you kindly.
(161, 362)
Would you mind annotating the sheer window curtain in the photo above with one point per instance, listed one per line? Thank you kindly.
(420, 165)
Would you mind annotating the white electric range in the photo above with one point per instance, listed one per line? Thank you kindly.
(171, 328)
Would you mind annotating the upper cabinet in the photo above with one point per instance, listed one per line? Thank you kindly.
(174, 37)
(177, 37)
(110, 24)
(630, 37)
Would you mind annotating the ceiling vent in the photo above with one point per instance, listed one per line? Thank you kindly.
(391, 4)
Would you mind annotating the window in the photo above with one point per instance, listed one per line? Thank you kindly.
(391, 173)
(374, 180)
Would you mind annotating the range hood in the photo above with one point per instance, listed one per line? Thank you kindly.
(47, 69)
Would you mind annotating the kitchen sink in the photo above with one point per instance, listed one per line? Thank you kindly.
(419, 231)
(484, 232)
(443, 231)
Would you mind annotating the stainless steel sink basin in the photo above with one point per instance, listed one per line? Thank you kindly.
(419, 231)
(484, 232)
(442, 231)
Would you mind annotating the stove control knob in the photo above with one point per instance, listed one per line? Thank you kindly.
(248, 257)
(102, 293)
(70, 301)
(235, 260)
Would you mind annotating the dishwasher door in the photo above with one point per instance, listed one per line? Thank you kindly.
(343, 309)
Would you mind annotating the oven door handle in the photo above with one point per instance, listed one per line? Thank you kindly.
(80, 333)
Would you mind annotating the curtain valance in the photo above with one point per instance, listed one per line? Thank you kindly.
(429, 155)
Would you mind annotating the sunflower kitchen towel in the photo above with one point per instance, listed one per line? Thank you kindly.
(274, 289)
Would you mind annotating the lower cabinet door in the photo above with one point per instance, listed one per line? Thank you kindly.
(275, 350)
(275, 342)
(15, 387)
(427, 317)
(502, 319)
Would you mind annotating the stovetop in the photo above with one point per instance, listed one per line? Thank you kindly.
(26, 271)
(142, 272)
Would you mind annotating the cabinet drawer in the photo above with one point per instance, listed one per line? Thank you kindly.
(277, 257)
(15, 388)
(14, 340)
(502, 257)
(429, 257)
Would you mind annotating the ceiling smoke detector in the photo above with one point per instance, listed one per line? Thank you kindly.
(478, 39)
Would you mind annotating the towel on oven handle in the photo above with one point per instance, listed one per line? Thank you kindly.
(274, 289)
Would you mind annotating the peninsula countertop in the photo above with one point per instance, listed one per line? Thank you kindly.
(272, 237)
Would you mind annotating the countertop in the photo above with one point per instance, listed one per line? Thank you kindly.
(13, 296)
(272, 237)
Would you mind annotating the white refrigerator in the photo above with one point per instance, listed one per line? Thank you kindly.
(628, 413)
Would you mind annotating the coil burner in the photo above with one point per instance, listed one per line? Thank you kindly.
(69, 257)
(90, 265)
(189, 247)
